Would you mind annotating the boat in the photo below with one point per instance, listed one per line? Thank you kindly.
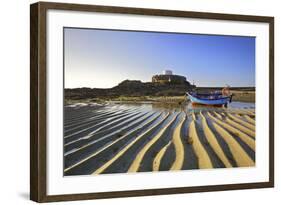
(212, 99)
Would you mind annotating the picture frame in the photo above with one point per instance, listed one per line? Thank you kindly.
(39, 99)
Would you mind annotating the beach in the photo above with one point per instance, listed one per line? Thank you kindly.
(148, 136)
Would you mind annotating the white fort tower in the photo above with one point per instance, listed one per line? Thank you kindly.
(167, 72)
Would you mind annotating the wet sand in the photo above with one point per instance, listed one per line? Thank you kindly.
(120, 138)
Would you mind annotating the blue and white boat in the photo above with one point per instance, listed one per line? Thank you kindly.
(212, 99)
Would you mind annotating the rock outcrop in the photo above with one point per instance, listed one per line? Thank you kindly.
(131, 88)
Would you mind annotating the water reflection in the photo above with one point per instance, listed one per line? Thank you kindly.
(185, 107)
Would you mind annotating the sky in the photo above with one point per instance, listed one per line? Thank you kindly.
(103, 58)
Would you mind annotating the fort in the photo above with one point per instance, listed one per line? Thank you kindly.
(169, 77)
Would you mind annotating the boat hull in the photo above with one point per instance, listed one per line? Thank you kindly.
(213, 102)
(206, 105)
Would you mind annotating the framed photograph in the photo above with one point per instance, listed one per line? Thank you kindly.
(133, 102)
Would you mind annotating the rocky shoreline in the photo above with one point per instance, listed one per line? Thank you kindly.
(130, 88)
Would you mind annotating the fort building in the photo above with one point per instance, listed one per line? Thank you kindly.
(168, 77)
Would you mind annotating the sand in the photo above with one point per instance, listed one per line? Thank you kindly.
(120, 138)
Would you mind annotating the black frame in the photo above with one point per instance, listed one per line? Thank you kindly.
(38, 102)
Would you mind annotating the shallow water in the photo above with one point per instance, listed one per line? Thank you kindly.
(242, 105)
(168, 107)
(186, 107)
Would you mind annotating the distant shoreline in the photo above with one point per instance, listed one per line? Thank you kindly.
(231, 88)
(241, 96)
(163, 92)
(251, 88)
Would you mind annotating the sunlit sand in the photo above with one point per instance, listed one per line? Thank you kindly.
(121, 138)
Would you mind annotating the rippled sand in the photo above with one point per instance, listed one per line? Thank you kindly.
(117, 138)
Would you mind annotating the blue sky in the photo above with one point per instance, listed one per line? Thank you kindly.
(103, 58)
